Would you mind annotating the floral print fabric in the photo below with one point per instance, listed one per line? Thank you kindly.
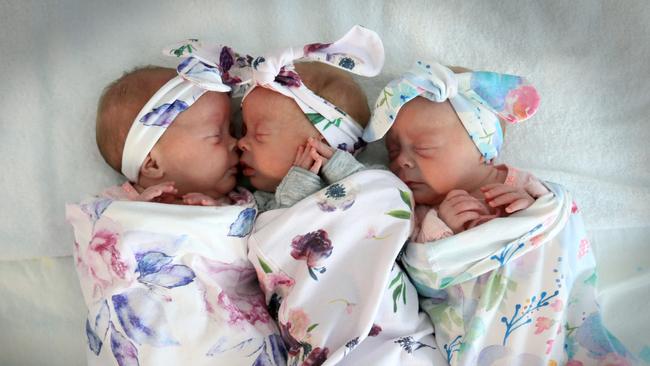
(516, 290)
(171, 284)
(328, 269)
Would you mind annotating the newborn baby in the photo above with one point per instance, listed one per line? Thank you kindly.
(505, 272)
(193, 162)
(326, 216)
(168, 283)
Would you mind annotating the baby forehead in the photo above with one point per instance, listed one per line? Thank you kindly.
(429, 116)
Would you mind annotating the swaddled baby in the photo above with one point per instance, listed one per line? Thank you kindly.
(326, 242)
(162, 258)
(501, 260)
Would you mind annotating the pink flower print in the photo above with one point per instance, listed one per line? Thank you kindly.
(299, 321)
(536, 240)
(372, 232)
(584, 248)
(521, 103)
(549, 346)
(249, 309)
(101, 262)
(574, 208)
(276, 282)
(313, 47)
(542, 324)
(557, 305)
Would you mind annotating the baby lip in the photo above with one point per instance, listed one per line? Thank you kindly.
(246, 169)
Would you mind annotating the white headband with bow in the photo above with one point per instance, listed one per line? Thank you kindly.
(480, 99)
(198, 73)
(360, 51)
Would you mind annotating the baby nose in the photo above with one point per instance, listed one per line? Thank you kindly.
(242, 145)
(404, 161)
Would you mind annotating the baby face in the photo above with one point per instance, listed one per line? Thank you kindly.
(430, 150)
(198, 151)
(274, 127)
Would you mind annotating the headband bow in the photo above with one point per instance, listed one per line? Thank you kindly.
(198, 73)
(360, 52)
(479, 99)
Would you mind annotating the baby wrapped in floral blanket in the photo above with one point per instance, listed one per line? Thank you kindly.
(162, 259)
(501, 259)
(326, 243)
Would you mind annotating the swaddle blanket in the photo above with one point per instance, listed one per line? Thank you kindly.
(170, 285)
(516, 291)
(327, 267)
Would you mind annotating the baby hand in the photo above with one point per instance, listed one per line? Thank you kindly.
(313, 155)
(199, 199)
(499, 195)
(163, 192)
(460, 208)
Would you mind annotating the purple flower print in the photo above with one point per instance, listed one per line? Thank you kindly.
(337, 196)
(312, 247)
(124, 351)
(296, 333)
(164, 115)
(288, 78)
(292, 344)
(375, 330)
(317, 357)
(226, 58)
(313, 47)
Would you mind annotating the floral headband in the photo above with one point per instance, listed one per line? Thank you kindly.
(198, 73)
(360, 52)
(480, 99)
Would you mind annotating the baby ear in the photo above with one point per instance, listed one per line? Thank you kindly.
(151, 169)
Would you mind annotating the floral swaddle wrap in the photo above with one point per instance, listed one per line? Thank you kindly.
(171, 285)
(518, 290)
(327, 267)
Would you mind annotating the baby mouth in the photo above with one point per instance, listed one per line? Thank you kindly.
(247, 170)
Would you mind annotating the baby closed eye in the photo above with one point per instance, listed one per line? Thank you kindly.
(425, 150)
(214, 139)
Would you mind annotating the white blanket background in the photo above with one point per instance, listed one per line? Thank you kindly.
(588, 59)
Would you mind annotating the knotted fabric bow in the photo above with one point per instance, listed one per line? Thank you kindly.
(204, 68)
(479, 99)
(360, 51)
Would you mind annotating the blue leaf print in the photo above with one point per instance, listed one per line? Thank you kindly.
(96, 208)
(94, 342)
(244, 346)
(494, 87)
(278, 351)
(164, 115)
(143, 318)
(169, 276)
(151, 262)
(97, 333)
(124, 351)
(244, 223)
(597, 340)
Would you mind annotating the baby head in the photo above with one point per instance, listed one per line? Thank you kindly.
(444, 128)
(275, 126)
(194, 149)
(289, 103)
